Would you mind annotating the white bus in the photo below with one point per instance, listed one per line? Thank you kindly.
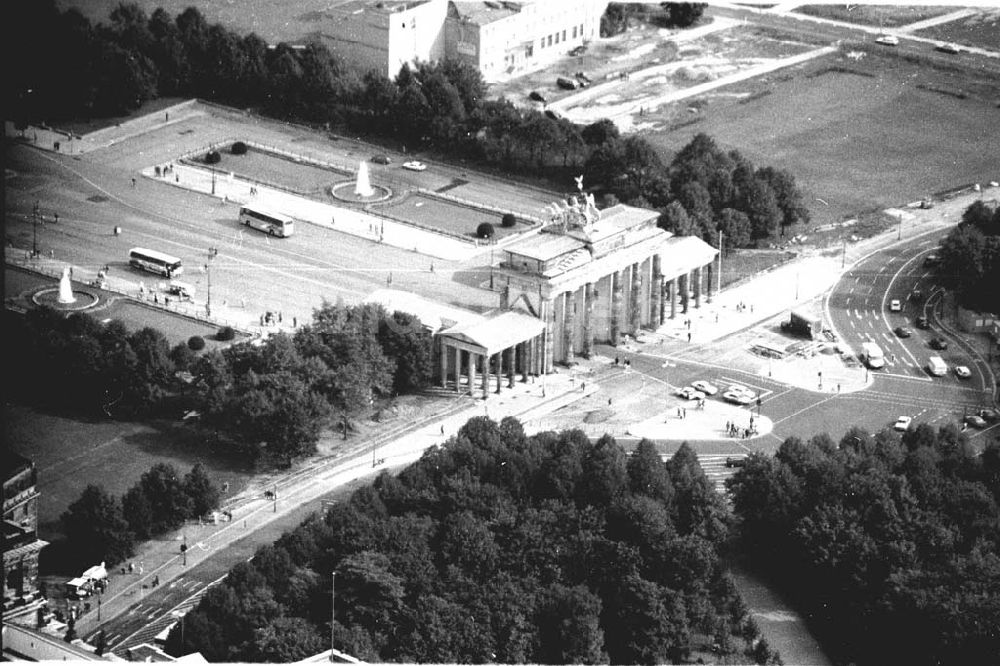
(155, 262)
(872, 355)
(274, 224)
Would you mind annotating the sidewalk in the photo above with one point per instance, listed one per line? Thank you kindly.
(250, 509)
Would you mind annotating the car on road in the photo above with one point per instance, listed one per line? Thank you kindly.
(939, 344)
(902, 332)
(990, 415)
(737, 397)
(536, 96)
(975, 421)
(578, 50)
(931, 260)
(895, 305)
(948, 48)
(415, 166)
(705, 387)
(922, 323)
(739, 388)
(888, 40)
(690, 393)
(736, 461)
(962, 372)
(381, 159)
(902, 423)
(566, 83)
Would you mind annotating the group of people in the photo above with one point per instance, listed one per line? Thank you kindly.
(736, 431)
(625, 363)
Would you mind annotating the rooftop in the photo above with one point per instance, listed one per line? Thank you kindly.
(431, 314)
(484, 13)
(499, 332)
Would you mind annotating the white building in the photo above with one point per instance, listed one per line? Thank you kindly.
(500, 38)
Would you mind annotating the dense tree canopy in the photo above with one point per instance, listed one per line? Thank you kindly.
(497, 547)
(970, 258)
(892, 544)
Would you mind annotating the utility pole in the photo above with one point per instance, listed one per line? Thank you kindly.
(275, 495)
(184, 549)
(843, 252)
(34, 221)
(718, 278)
(333, 609)
(213, 252)
(213, 182)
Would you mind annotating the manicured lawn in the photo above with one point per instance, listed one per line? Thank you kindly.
(263, 167)
(452, 218)
(744, 264)
(71, 453)
(885, 15)
(857, 142)
(982, 29)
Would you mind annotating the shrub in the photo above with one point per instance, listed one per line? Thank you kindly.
(225, 334)
(485, 230)
(213, 157)
(508, 220)
(238, 148)
(196, 343)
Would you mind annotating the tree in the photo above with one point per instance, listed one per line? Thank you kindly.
(164, 490)
(96, 530)
(202, 493)
(286, 639)
(647, 625)
(369, 593)
(683, 14)
(408, 342)
(675, 219)
(485, 230)
(647, 475)
(735, 227)
(569, 628)
(600, 132)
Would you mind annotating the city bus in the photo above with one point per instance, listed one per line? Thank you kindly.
(155, 262)
(274, 224)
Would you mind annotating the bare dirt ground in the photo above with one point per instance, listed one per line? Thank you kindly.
(981, 29)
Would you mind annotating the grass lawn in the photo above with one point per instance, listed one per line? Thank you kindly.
(452, 218)
(71, 453)
(885, 15)
(86, 125)
(855, 142)
(982, 29)
(288, 174)
(744, 264)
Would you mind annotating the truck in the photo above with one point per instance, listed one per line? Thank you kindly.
(872, 355)
(802, 324)
(936, 366)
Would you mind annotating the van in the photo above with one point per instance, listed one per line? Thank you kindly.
(936, 366)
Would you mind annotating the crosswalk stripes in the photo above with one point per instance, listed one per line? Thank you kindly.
(714, 466)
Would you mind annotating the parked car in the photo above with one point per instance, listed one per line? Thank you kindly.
(888, 40)
(739, 388)
(536, 96)
(962, 372)
(583, 79)
(736, 397)
(948, 48)
(895, 305)
(381, 159)
(922, 323)
(565, 83)
(578, 50)
(902, 423)
(939, 344)
(975, 421)
(415, 166)
(990, 415)
(736, 461)
(690, 393)
(932, 260)
(902, 332)
(705, 387)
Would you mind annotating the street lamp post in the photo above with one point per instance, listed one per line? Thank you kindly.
(718, 278)
(843, 252)
(212, 253)
(34, 222)
(333, 609)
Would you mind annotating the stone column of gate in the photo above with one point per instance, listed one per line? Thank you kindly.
(672, 289)
(444, 364)
(708, 283)
(569, 321)
(549, 314)
(458, 370)
(635, 318)
(499, 357)
(471, 364)
(697, 287)
(656, 293)
(509, 353)
(685, 290)
(616, 306)
(588, 320)
(486, 376)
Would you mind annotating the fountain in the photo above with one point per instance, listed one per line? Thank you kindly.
(363, 186)
(66, 296)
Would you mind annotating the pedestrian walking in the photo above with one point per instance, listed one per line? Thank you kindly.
(684, 411)
(166, 116)
(131, 568)
(133, 183)
(442, 428)
(295, 322)
(838, 388)
(689, 336)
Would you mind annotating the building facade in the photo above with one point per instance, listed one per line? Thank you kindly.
(21, 544)
(594, 276)
(500, 38)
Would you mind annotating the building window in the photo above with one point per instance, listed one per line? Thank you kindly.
(550, 41)
(574, 32)
(557, 38)
(564, 35)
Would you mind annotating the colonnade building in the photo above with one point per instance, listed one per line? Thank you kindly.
(594, 276)
(589, 276)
